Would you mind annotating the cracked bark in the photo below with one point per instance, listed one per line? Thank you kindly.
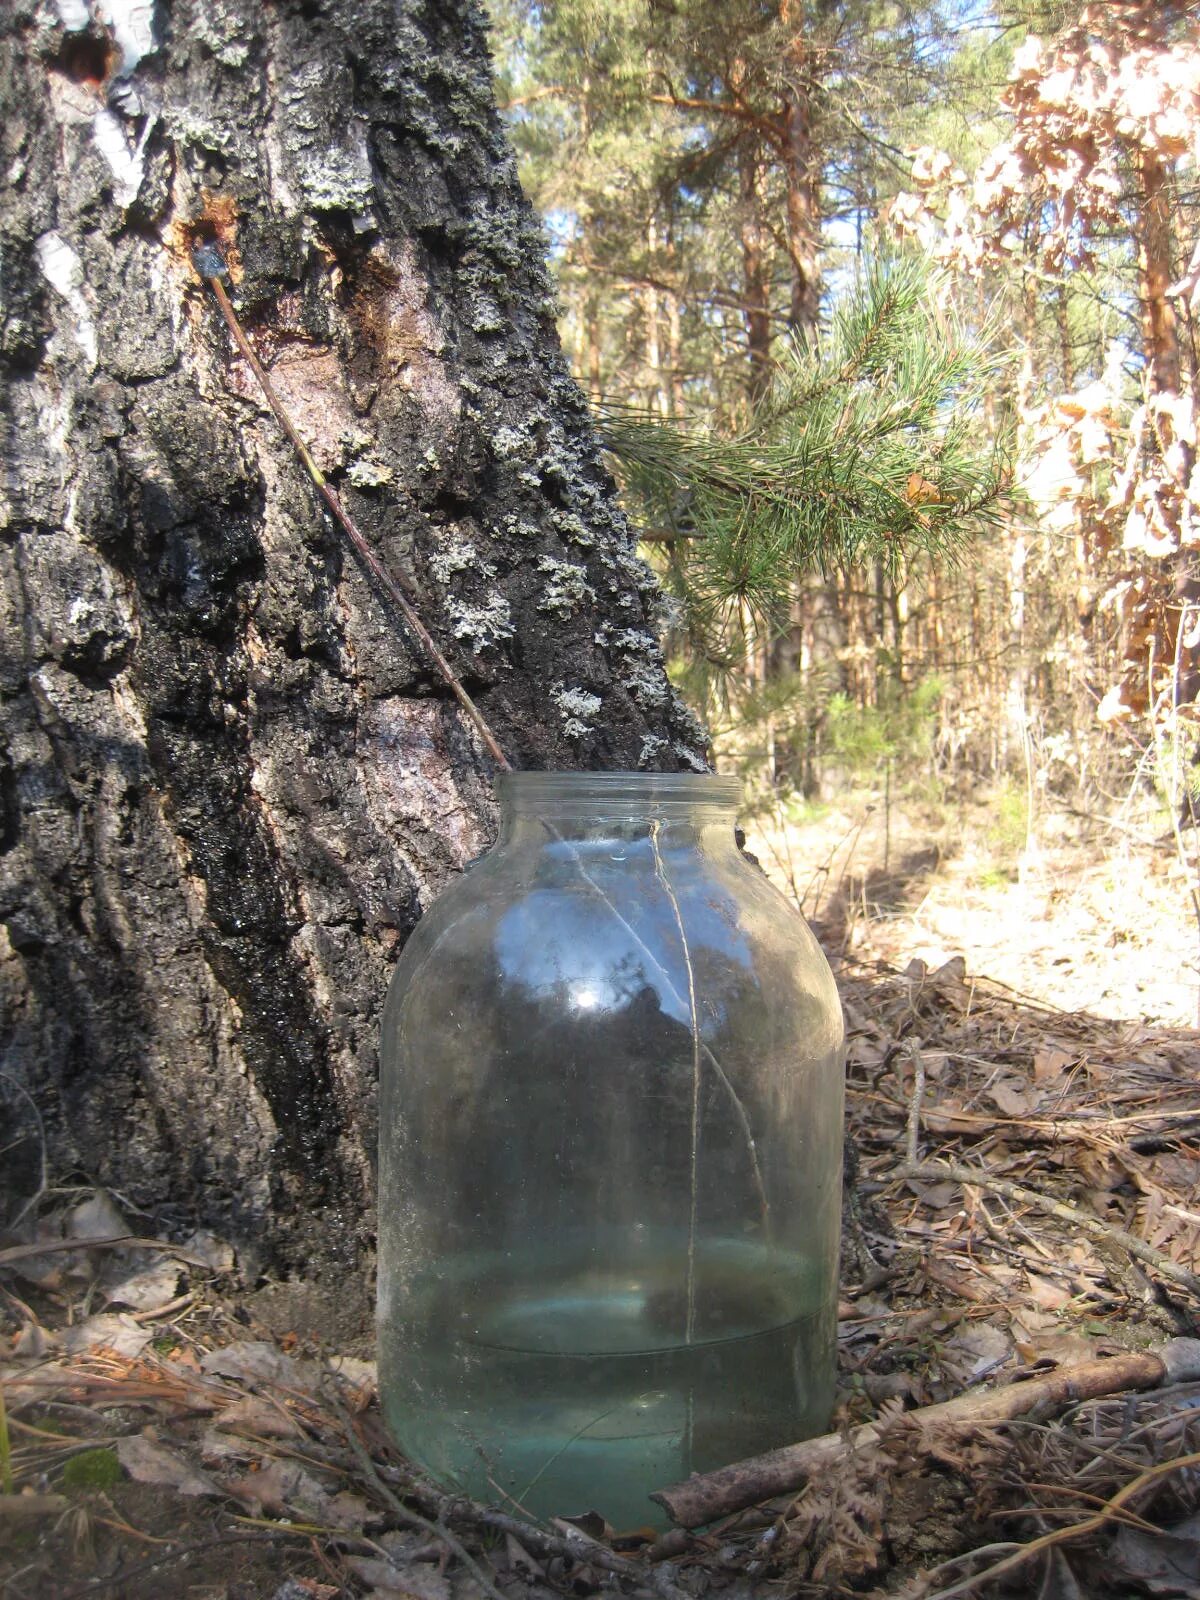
(228, 782)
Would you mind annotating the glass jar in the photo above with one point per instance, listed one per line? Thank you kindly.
(610, 1155)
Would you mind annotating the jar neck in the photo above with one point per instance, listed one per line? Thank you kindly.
(671, 806)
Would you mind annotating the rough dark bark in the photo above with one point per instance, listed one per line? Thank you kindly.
(228, 783)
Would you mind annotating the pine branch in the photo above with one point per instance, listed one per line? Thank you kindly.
(868, 448)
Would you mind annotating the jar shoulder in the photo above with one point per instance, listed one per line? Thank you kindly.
(567, 910)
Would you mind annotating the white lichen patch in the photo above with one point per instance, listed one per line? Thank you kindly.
(480, 625)
(189, 126)
(642, 671)
(518, 528)
(566, 587)
(685, 753)
(573, 529)
(690, 723)
(326, 152)
(132, 26)
(126, 162)
(457, 554)
(646, 682)
(369, 473)
(508, 444)
(221, 26)
(341, 180)
(634, 642)
(73, 14)
(486, 315)
(63, 271)
(653, 745)
(575, 707)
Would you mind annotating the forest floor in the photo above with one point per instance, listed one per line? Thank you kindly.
(1084, 911)
(1025, 1215)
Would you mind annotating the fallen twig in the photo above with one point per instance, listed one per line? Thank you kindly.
(912, 1132)
(31, 1505)
(405, 1514)
(572, 1544)
(703, 1498)
(127, 1241)
(956, 1172)
(1076, 1530)
(183, 1552)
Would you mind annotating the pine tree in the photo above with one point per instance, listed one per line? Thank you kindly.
(866, 451)
(696, 153)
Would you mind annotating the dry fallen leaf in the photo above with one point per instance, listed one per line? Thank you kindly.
(1046, 1292)
(147, 1461)
(1051, 1061)
(147, 1288)
(107, 1330)
(284, 1488)
(96, 1218)
(226, 1452)
(362, 1376)
(34, 1342)
(214, 1252)
(1011, 1097)
(257, 1361)
(1163, 1562)
(976, 1351)
(415, 1582)
(259, 1417)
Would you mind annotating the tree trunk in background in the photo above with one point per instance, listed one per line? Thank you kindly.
(229, 782)
(675, 355)
(756, 290)
(657, 397)
(595, 387)
(1159, 326)
(802, 167)
(1160, 339)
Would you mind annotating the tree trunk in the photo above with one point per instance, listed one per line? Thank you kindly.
(1160, 339)
(1159, 328)
(657, 398)
(595, 384)
(802, 170)
(756, 290)
(229, 781)
(675, 355)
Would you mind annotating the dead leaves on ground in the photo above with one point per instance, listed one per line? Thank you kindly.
(1105, 1116)
(970, 1288)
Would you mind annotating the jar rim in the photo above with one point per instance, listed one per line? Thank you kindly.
(619, 791)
